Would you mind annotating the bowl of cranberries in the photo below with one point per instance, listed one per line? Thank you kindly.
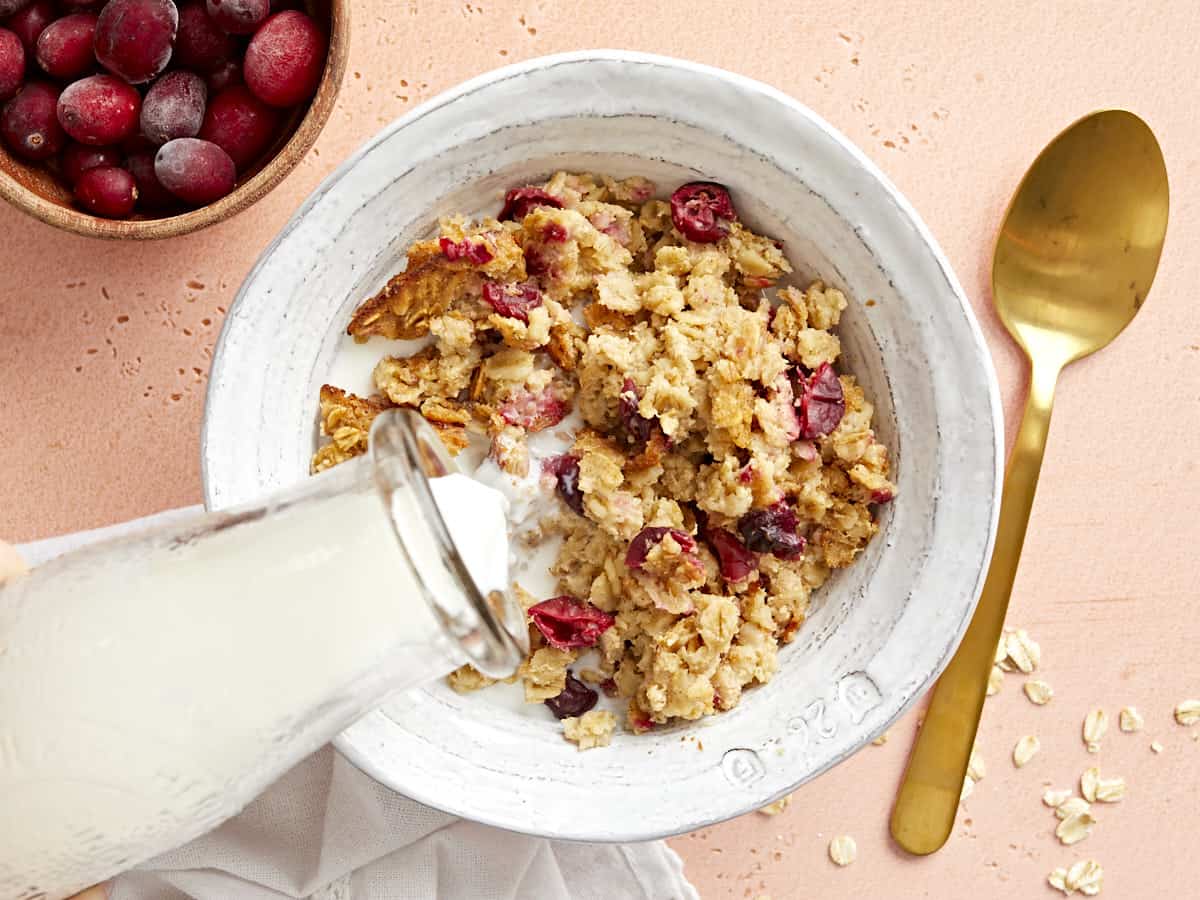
(148, 119)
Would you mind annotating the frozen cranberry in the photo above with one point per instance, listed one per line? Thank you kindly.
(152, 196)
(226, 75)
(773, 530)
(174, 107)
(12, 64)
(822, 402)
(576, 699)
(107, 191)
(78, 158)
(476, 253)
(99, 110)
(519, 201)
(8, 7)
(80, 5)
(514, 299)
(569, 624)
(285, 59)
(534, 411)
(64, 48)
(639, 547)
(636, 427)
(134, 37)
(240, 124)
(30, 22)
(238, 16)
(29, 122)
(199, 44)
(565, 469)
(735, 560)
(195, 171)
(702, 211)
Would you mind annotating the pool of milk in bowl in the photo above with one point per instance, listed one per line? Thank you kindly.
(530, 499)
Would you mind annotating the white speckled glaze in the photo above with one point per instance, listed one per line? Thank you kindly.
(879, 632)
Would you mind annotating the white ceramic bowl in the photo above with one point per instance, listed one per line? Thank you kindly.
(880, 631)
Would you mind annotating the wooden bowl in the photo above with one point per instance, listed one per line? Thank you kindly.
(33, 188)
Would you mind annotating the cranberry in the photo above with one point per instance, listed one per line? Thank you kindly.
(822, 403)
(226, 75)
(134, 37)
(773, 530)
(199, 44)
(80, 5)
(639, 547)
(12, 64)
(514, 299)
(8, 7)
(882, 495)
(576, 699)
(107, 191)
(565, 470)
(569, 624)
(478, 253)
(735, 560)
(99, 110)
(534, 412)
(285, 59)
(554, 233)
(636, 427)
(174, 107)
(195, 171)
(64, 48)
(519, 201)
(78, 158)
(30, 22)
(238, 16)
(702, 211)
(29, 122)
(152, 196)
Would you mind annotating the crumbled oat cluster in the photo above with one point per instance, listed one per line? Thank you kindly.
(724, 466)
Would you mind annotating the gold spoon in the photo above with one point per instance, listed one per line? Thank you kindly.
(1074, 261)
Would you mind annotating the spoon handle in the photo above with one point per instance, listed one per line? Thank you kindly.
(929, 794)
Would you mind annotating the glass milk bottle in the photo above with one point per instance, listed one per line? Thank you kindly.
(150, 687)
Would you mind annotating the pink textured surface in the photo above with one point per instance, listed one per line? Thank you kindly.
(104, 351)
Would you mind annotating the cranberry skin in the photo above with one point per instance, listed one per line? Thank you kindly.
(240, 124)
(735, 560)
(519, 201)
(174, 107)
(30, 22)
(576, 699)
(29, 122)
(238, 16)
(199, 44)
(134, 37)
(197, 172)
(569, 624)
(107, 191)
(152, 196)
(226, 75)
(78, 158)
(285, 59)
(12, 64)
(773, 530)
(99, 110)
(636, 427)
(64, 48)
(702, 211)
(639, 547)
(80, 5)
(478, 253)
(565, 470)
(514, 299)
(822, 403)
(8, 7)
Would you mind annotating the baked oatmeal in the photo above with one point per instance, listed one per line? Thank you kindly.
(723, 465)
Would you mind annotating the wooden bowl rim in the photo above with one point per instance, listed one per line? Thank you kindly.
(245, 194)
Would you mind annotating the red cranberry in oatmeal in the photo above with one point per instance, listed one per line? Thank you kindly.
(576, 699)
(519, 201)
(639, 547)
(702, 211)
(822, 403)
(514, 300)
(773, 530)
(568, 624)
(736, 561)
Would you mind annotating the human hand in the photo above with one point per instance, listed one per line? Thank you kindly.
(11, 564)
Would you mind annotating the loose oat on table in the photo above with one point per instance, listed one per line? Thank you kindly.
(968, 788)
(1023, 651)
(1026, 748)
(843, 850)
(1055, 798)
(1156, 747)
(1038, 692)
(1072, 806)
(726, 462)
(1084, 876)
(1088, 782)
(1188, 712)
(1095, 724)
(774, 809)
(995, 681)
(1074, 829)
(975, 766)
(1110, 790)
(881, 740)
(1130, 719)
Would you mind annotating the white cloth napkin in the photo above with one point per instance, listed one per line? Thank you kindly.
(326, 831)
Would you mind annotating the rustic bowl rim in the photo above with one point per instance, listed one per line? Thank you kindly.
(243, 196)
